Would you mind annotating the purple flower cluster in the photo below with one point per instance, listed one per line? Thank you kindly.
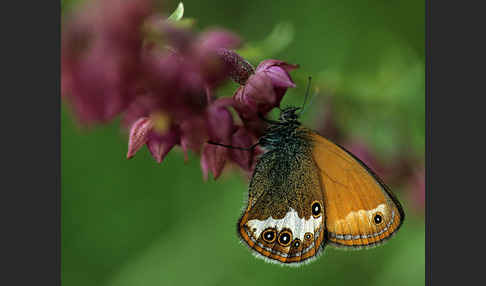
(121, 58)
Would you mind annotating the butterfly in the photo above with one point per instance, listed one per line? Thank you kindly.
(307, 192)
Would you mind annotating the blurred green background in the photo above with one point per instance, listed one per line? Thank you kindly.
(135, 222)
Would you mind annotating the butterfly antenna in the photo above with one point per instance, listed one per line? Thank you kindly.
(311, 100)
(306, 94)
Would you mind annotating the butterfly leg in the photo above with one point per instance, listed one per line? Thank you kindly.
(235, 147)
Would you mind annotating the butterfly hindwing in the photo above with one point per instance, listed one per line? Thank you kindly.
(279, 223)
(360, 209)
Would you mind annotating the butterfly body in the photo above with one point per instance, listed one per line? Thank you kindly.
(307, 192)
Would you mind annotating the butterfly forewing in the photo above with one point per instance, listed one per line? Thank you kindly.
(360, 210)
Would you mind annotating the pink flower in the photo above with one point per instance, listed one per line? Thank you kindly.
(145, 131)
(120, 58)
(278, 72)
(207, 54)
(201, 53)
(257, 95)
(265, 88)
(262, 91)
(100, 58)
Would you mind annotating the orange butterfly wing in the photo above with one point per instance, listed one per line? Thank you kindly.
(360, 209)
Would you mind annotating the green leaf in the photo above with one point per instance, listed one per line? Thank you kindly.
(177, 14)
(185, 23)
(280, 37)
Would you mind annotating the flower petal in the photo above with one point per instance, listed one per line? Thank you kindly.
(216, 39)
(279, 77)
(266, 64)
(254, 98)
(213, 160)
(259, 87)
(242, 138)
(160, 145)
(142, 106)
(193, 134)
(220, 121)
(138, 135)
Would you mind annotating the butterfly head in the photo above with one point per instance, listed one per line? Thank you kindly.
(289, 115)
